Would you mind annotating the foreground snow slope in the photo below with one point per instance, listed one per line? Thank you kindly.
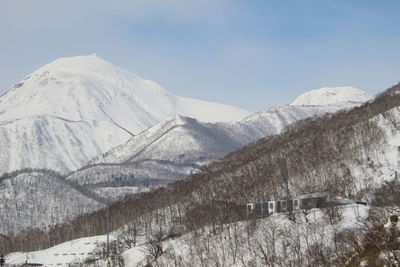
(235, 244)
(75, 251)
(274, 240)
(86, 98)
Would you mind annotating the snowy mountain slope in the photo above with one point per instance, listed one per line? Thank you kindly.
(283, 242)
(89, 88)
(178, 146)
(232, 244)
(54, 143)
(188, 140)
(40, 198)
(86, 98)
(178, 139)
(332, 95)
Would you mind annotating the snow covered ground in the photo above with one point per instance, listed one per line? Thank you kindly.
(75, 251)
(234, 244)
(243, 243)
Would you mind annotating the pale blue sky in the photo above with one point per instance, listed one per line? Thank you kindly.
(253, 54)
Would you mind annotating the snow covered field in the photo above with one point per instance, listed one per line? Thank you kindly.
(75, 251)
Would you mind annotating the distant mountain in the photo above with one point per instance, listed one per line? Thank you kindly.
(332, 95)
(183, 139)
(179, 146)
(74, 109)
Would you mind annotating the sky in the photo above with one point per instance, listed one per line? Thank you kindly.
(253, 54)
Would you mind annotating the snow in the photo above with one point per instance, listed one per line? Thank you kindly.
(184, 144)
(209, 245)
(391, 225)
(134, 257)
(75, 251)
(206, 246)
(54, 143)
(184, 139)
(332, 95)
(74, 109)
(89, 88)
(385, 158)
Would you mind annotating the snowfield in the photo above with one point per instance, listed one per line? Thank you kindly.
(65, 254)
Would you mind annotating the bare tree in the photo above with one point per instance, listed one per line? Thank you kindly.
(154, 248)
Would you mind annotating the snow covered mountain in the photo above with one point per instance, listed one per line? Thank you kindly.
(74, 109)
(178, 146)
(53, 142)
(332, 95)
(183, 139)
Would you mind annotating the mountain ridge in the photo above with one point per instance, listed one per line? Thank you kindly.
(180, 142)
(332, 95)
(112, 105)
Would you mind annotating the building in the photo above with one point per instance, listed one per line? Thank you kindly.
(303, 202)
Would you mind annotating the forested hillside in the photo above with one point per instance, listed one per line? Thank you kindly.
(41, 198)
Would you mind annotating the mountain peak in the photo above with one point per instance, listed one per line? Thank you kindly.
(76, 108)
(90, 88)
(88, 64)
(331, 96)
